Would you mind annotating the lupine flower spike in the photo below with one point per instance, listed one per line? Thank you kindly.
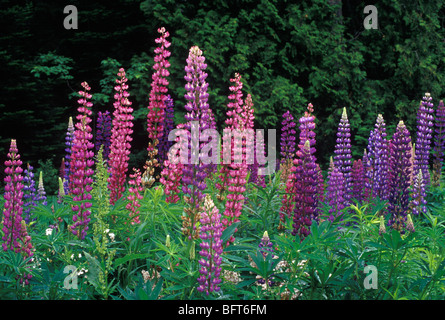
(439, 144)
(157, 105)
(120, 138)
(29, 193)
(211, 248)
(136, 192)
(103, 132)
(81, 163)
(335, 194)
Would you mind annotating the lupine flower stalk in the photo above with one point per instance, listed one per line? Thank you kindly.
(211, 248)
(424, 136)
(157, 105)
(378, 156)
(69, 144)
(236, 172)
(81, 164)
(439, 143)
(418, 194)
(335, 194)
(136, 191)
(15, 236)
(194, 171)
(41, 194)
(103, 132)
(342, 158)
(120, 138)
(399, 173)
(29, 193)
(288, 137)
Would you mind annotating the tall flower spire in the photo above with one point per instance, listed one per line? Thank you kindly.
(197, 120)
(69, 144)
(400, 171)
(120, 138)
(288, 137)
(423, 138)
(81, 163)
(164, 143)
(103, 132)
(335, 194)
(15, 236)
(29, 193)
(157, 104)
(342, 158)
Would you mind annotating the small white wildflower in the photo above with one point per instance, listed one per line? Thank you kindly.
(111, 235)
(49, 231)
(107, 230)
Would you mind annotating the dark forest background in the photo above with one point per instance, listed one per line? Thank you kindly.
(289, 53)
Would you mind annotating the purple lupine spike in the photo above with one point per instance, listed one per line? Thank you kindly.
(265, 245)
(305, 209)
(399, 173)
(69, 144)
(29, 193)
(335, 191)
(439, 144)
(169, 125)
(378, 156)
(288, 137)
(320, 189)
(358, 181)
(211, 248)
(423, 138)
(103, 132)
(197, 117)
(342, 158)
(81, 163)
(367, 191)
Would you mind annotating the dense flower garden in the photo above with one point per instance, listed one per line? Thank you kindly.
(184, 228)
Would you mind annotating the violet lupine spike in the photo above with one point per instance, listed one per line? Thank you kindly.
(439, 143)
(211, 248)
(423, 138)
(367, 191)
(320, 190)
(15, 236)
(378, 156)
(197, 120)
(82, 163)
(164, 143)
(103, 132)
(29, 193)
(400, 171)
(342, 158)
(305, 209)
(288, 137)
(358, 181)
(120, 138)
(69, 144)
(335, 194)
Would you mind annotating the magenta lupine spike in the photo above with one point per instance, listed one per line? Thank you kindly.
(136, 192)
(400, 171)
(358, 181)
(69, 144)
(15, 237)
(211, 248)
(158, 93)
(378, 156)
(423, 138)
(120, 138)
(335, 193)
(197, 120)
(342, 158)
(288, 137)
(82, 163)
(305, 209)
(103, 132)
(236, 171)
(439, 143)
